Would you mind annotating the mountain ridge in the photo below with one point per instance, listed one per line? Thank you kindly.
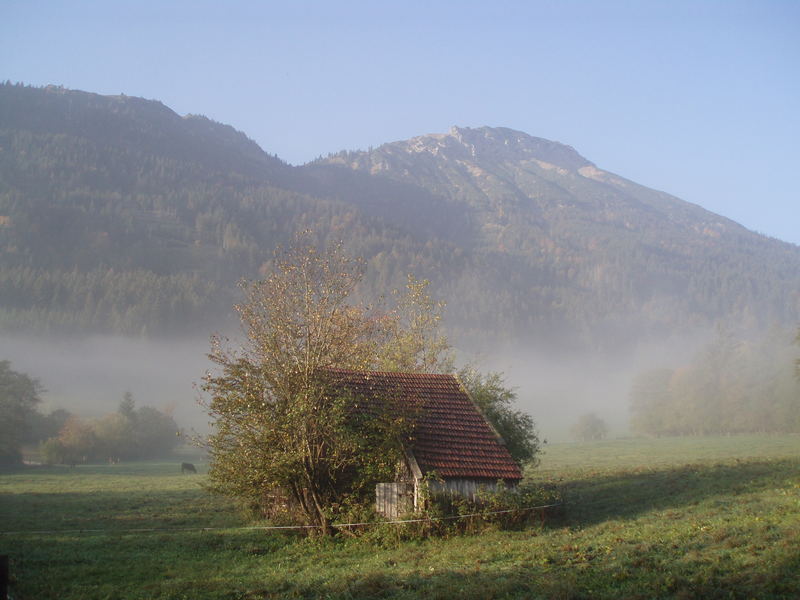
(484, 166)
(118, 215)
(131, 121)
(473, 142)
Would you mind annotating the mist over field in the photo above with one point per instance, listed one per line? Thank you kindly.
(570, 280)
(557, 387)
(88, 376)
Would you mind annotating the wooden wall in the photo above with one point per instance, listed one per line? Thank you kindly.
(394, 499)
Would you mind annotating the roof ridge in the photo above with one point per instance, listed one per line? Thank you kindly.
(390, 373)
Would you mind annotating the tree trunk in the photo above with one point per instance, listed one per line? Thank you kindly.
(317, 511)
(321, 517)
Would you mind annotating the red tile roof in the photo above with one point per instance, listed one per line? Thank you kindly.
(451, 435)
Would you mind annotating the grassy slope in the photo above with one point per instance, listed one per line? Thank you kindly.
(684, 518)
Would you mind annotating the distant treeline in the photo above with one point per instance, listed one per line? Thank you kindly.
(135, 302)
(129, 434)
(734, 385)
(64, 438)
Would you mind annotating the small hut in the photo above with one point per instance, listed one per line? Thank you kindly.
(451, 438)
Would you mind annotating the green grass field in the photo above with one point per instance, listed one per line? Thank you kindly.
(668, 518)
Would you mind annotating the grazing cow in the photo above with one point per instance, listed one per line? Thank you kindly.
(188, 467)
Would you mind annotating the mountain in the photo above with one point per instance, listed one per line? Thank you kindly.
(118, 215)
(602, 252)
(131, 124)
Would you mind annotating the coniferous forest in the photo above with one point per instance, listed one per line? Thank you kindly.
(119, 216)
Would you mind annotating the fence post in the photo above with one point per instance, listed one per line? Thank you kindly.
(3, 577)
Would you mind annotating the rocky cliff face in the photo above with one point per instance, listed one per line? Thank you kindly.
(591, 238)
(510, 179)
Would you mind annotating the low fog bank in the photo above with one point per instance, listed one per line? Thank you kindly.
(89, 376)
(556, 388)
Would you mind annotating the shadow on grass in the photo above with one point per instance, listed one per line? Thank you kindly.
(117, 566)
(775, 578)
(249, 566)
(626, 495)
(66, 511)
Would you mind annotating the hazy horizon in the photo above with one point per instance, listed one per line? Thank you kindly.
(89, 375)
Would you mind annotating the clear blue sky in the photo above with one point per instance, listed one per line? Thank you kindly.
(699, 99)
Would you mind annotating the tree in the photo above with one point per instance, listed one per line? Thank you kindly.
(589, 428)
(127, 406)
(155, 432)
(797, 360)
(19, 395)
(78, 442)
(279, 427)
(129, 433)
(517, 428)
(417, 345)
(651, 402)
(733, 385)
(52, 451)
(115, 437)
(43, 427)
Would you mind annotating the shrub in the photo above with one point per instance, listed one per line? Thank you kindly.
(52, 451)
(589, 428)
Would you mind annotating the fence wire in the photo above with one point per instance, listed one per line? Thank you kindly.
(274, 527)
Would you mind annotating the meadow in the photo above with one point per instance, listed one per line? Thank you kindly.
(661, 518)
